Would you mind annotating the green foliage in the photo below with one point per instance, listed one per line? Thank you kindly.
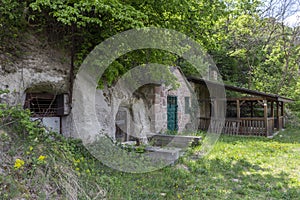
(88, 23)
(11, 21)
(249, 50)
(35, 160)
(83, 13)
(94, 21)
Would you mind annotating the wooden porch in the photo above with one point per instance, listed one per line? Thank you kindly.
(249, 112)
(252, 116)
(243, 126)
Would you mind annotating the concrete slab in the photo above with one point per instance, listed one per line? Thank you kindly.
(178, 141)
(169, 155)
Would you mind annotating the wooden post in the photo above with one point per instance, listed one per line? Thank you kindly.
(238, 109)
(216, 108)
(266, 116)
(272, 115)
(272, 109)
(282, 114)
(252, 110)
(278, 116)
(212, 107)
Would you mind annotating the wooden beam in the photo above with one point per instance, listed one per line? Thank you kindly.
(282, 114)
(215, 108)
(266, 116)
(238, 109)
(242, 102)
(278, 115)
(252, 110)
(245, 98)
(261, 102)
(272, 109)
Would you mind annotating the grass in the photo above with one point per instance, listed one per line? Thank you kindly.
(237, 168)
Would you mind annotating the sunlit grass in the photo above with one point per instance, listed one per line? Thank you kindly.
(237, 168)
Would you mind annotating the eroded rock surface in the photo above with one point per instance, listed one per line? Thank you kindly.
(35, 67)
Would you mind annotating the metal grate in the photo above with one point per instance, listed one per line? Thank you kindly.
(44, 104)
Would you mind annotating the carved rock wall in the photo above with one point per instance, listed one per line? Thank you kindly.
(36, 68)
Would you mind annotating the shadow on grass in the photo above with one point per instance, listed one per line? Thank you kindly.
(241, 179)
(291, 135)
(205, 179)
(286, 136)
(240, 173)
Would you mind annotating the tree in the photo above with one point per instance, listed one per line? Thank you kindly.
(280, 68)
(11, 20)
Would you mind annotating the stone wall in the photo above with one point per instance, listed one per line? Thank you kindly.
(184, 90)
(36, 68)
(159, 111)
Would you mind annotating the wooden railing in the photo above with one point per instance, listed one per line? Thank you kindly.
(279, 123)
(281, 119)
(229, 126)
(242, 126)
(232, 126)
(204, 123)
(270, 128)
(252, 126)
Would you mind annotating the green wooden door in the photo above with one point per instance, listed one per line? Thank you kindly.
(172, 113)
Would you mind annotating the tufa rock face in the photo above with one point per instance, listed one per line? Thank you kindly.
(39, 68)
(35, 68)
(108, 102)
(121, 111)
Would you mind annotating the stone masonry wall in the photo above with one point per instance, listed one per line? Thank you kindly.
(182, 92)
(160, 104)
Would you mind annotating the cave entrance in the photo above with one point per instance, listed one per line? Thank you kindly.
(122, 125)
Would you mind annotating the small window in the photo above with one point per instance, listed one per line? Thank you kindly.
(44, 104)
(187, 107)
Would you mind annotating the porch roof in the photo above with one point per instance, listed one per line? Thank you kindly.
(272, 97)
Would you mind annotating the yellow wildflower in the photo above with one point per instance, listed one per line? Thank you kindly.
(19, 163)
(41, 158)
(30, 148)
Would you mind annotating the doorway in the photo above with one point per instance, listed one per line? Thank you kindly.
(172, 107)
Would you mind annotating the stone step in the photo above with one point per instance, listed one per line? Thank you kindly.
(179, 141)
(167, 155)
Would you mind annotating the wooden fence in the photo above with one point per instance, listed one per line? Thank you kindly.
(279, 123)
(241, 126)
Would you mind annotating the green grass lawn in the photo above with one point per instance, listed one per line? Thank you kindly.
(237, 168)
